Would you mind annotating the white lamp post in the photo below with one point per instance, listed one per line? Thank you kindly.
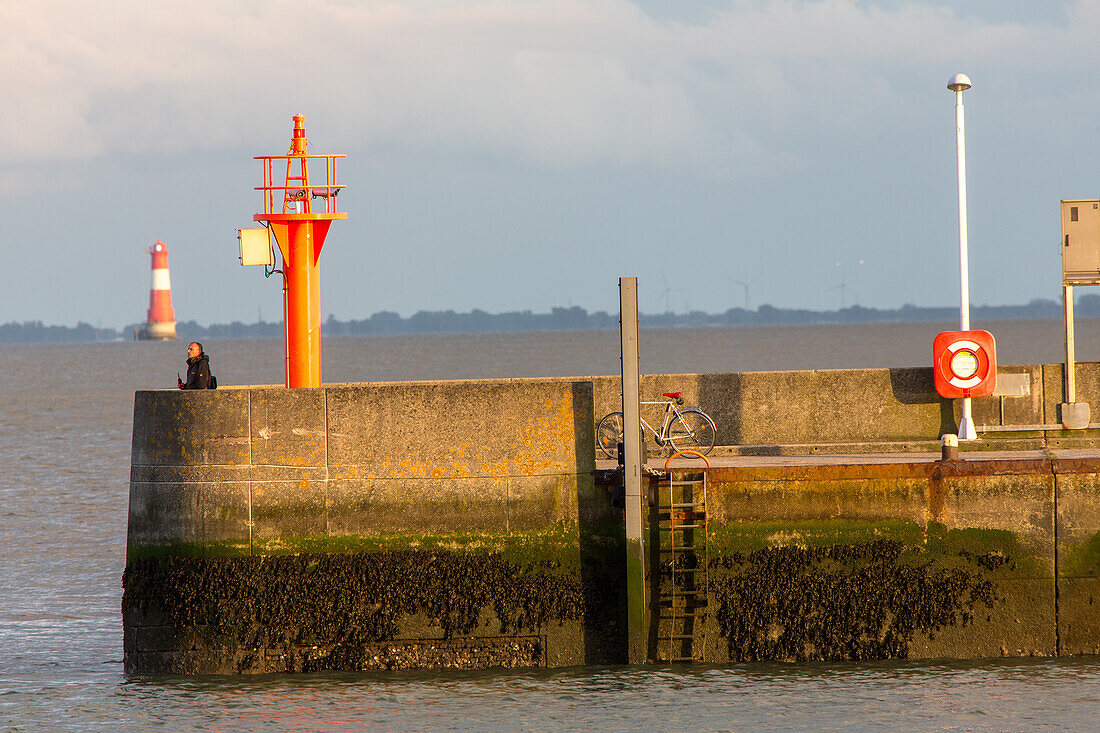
(958, 84)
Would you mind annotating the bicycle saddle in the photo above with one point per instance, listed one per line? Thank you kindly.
(672, 395)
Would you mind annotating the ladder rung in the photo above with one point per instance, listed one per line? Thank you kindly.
(675, 527)
(678, 548)
(693, 505)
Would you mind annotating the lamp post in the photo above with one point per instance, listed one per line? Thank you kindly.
(958, 84)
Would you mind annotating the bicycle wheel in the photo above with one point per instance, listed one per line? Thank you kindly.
(692, 429)
(609, 433)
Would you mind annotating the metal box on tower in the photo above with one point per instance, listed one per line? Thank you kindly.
(1081, 242)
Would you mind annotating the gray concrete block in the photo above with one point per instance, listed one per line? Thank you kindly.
(287, 427)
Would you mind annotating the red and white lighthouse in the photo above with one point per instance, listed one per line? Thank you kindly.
(160, 322)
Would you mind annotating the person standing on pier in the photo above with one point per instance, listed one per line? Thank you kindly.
(198, 368)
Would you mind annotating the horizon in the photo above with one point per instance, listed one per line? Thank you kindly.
(1035, 302)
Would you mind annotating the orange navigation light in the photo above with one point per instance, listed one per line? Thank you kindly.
(964, 364)
(298, 211)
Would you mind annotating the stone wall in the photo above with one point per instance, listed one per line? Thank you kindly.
(842, 410)
(914, 560)
(464, 524)
(410, 487)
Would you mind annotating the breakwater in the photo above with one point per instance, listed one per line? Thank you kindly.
(465, 524)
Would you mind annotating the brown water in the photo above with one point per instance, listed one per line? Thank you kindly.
(65, 413)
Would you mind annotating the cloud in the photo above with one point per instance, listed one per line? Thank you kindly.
(555, 83)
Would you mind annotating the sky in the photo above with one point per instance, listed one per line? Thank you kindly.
(525, 154)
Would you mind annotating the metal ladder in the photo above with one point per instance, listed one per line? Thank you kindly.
(684, 581)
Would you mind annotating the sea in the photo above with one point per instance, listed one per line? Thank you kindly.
(65, 421)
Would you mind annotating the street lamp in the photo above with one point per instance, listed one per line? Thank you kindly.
(958, 84)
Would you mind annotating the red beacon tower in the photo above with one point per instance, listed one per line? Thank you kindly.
(298, 211)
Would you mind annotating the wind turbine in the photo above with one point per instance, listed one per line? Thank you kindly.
(843, 287)
(746, 285)
(665, 295)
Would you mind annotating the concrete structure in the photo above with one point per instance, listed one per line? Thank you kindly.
(866, 410)
(465, 523)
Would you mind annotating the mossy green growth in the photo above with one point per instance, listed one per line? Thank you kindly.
(996, 550)
(1081, 560)
(137, 551)
(743, 537)
(557, 543)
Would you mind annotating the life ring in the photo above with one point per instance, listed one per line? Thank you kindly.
(965, 363)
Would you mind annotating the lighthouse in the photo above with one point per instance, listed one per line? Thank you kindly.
(160, 321)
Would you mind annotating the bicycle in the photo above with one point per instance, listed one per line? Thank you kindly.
(691, 428)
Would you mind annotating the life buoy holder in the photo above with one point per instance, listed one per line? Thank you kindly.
(965, 363)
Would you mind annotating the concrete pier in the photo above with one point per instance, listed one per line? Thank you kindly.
(469, 524)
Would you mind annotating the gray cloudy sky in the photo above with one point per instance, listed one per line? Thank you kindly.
(524, 154)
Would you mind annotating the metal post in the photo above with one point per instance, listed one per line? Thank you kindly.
(303, 307)
(632, 472)
(1067, 309)
(958, 85)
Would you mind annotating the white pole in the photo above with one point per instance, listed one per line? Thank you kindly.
(958, 85)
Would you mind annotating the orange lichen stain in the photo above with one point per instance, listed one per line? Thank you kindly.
(303, 484)
(497, 471)
(542, 442)
(412, 469)
(427, 469)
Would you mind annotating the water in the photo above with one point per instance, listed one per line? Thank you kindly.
(65, 413)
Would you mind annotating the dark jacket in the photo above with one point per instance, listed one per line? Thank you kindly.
(198, 372)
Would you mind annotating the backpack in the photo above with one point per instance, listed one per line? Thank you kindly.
(213, 383)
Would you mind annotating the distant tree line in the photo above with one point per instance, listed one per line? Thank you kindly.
(29, 332)
(558, 319)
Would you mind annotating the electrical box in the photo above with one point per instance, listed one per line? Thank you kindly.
(1081, 242)
(256, 247)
